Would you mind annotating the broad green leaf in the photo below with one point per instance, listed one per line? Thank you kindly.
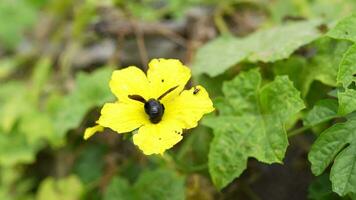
(251, 123)
(282, 10)
(331, 9)
(279, 9)
(119, 189)
(219, 55)
(337, 144)
(346, 79)
(90, 90)
(323, 65)
(280, 42)
(343, 172)
(69, 188)
(345, 29)
(266, 45)
(159, 184)
(324, 110)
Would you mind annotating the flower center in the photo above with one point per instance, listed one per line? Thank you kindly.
(154, 109)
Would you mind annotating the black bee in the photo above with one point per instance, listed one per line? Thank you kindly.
(153, 108)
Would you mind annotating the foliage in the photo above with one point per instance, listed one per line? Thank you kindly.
(266, 46)
(256, 126)
(282, 75)
(157, 184)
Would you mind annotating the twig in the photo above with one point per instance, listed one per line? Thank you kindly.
(140, 44)
(219, 21)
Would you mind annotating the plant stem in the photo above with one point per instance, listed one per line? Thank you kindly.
(220, 22)
(298, 131)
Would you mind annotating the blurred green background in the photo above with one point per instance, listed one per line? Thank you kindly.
(56, 58)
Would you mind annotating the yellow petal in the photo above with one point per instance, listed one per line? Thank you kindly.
(129, 81)
(164, 74)
(92, 130)
(123, 117)
(156, 138)
(189, 107)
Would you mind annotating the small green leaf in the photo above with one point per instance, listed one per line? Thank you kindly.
(13, 103)
(22, 16)
(15, 149)
(345, 29)
(90, 164)
(37, 126)
(323, 65)
(69, 188)
(347, 79)
(159, 184)
(39, 76)
(266, 45)
(324, 110)
(250, 123)
(331, 145)
(91, 90)
(119, 189)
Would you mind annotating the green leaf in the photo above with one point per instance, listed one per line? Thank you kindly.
(90, 164)
(90, 90)
(323, 66)
(345, 29)
(37, 126)
(159, 184)
(191, 156)
(324, 110)
(22, 16)
(347, 79)
(13, 103)
(343, 172)
(250, 123)
(337, 142)
(14, 148)
(69, 188)
(280, 42)
(39, 77)
(266, 45)
(218, 55)
(282, 10)
(119, 189)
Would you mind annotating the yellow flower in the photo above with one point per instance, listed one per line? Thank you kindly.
(157, 105)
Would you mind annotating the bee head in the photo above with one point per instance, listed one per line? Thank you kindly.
(154, 109)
